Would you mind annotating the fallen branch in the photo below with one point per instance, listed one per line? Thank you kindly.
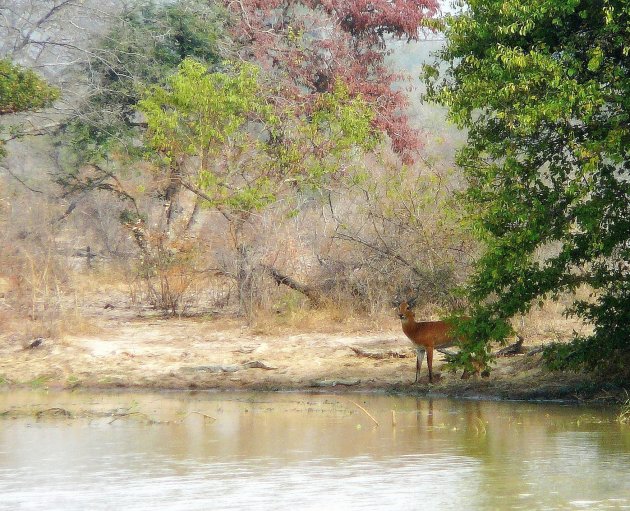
(208, 417)
(333, 383)
(513, 349)
(361, 352)
(364, 411)
(254, 364)
(21, 181)
(257, 364)
(213, 369)
(129, 414)
(54, 411)
(280, 278)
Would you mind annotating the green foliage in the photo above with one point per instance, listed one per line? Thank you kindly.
(149, 44)
(339, 128)
(475, 333)
(198, 111)
(162, 60)
(543, 89)
(607, 350)
(201, 114)
(145, 47)
(321, 144)
(346, 120)
(21, 89)
(247, 153)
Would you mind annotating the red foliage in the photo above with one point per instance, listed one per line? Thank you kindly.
(309, 44)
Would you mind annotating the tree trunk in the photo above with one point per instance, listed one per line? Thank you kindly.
(244, 279)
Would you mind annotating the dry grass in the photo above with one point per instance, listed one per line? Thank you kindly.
(66, 323)
(548, 323)
(74, 323)
(329, 318)
(624, 412)
(83, 294)
(43, 306)
(102, 280)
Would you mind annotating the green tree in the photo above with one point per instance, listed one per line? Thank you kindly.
(168, 117)
(21, 89)
(226, 120)
(100, 145)
(543, 89)
(145, 45)
(215, 134)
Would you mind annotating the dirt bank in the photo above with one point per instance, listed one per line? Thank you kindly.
(128, 351)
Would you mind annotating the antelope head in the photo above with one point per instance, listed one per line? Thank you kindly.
(404, 309)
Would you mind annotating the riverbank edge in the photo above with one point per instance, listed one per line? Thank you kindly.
(571, 388)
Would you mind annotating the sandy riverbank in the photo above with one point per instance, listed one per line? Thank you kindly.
(127, 351)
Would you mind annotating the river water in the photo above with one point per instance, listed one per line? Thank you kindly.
(215, 451)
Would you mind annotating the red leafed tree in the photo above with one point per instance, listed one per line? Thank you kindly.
(310, 44)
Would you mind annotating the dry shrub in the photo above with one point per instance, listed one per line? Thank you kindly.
(45, 300)
(356, 249)
(398, 232)
(51, 327)
(74, 322)
(36, 288)
(105, 279)
(36, 278)
(363, 247)
(171, 273)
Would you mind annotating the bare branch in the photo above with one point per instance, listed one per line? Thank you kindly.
(26, 39)
(21, 181)
(384, 251)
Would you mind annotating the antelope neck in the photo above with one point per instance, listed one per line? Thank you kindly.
(409, 318)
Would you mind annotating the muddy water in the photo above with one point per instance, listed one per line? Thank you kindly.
(80, 451)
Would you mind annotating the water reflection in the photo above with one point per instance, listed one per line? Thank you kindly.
(281, 451)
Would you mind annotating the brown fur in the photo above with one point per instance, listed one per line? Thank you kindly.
(426, 336)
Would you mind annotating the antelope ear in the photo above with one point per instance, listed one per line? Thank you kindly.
(411, 302)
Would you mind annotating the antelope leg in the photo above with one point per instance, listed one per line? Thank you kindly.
(419, 358)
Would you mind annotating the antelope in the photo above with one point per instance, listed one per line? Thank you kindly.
(426, 336)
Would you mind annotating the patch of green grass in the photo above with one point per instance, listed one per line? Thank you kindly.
(72, 382)
(39, 382)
